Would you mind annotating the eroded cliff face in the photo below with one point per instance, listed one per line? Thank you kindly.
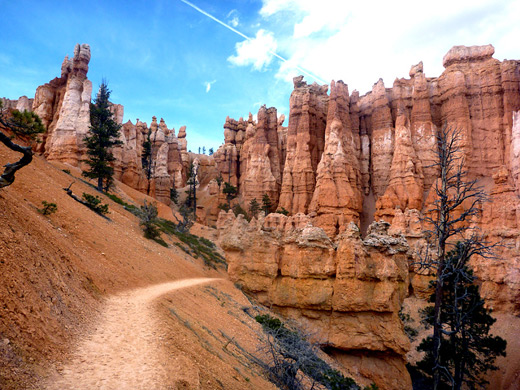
(349, 160)
(347, 292)
(343, 161)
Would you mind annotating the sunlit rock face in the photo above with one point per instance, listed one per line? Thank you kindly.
(345, 157)
(349, 160)
(64, 107)
(347, 292)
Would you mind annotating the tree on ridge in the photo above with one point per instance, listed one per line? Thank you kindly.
(103, 135)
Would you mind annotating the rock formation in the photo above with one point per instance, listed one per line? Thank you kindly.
(63, 104)
(349, 160)
(355, 158)
(64, 107)
(348, 292)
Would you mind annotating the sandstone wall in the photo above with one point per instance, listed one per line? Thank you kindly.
(347, 293)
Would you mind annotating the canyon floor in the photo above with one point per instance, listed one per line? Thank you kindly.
(82, 294)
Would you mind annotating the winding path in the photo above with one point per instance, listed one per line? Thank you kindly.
(121, 352)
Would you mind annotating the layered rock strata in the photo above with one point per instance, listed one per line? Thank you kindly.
(355, 159)
(347, 293)
(63, 104)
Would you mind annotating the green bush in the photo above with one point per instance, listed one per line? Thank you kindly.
(48, 208)
(198, 246)
(237, 210)
(148, 216)
(94, 203)
(282, 211)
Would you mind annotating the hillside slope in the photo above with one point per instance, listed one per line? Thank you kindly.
(57, 272)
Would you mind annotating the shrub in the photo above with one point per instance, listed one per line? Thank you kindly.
(148, 216)
(94, 203)
(237, 210)
(48, 208)
(224, 206)
(282, 211)
(291, 355)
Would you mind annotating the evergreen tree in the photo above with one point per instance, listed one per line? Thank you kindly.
(191, 199)
(467, 350)
(174, 195)
(267, 204)
(146, 159)
(254, 207)
(457, 200)
(230, 191)
(103, 135)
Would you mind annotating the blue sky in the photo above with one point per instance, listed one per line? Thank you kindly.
(169, 59)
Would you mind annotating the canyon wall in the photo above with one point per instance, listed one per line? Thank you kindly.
(347, 293)
(347, 158)
(350, 160)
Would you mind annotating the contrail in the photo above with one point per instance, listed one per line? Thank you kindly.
(249, 39)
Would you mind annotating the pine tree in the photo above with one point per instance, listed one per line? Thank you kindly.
(267, 204)
(254, 207)
(103, 135)
(230, 191)
(467, 350)
(191, 199)
(458, 200)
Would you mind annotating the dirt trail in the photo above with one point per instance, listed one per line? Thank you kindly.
(122, 350)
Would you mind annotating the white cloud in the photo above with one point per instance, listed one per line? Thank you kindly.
(359, 42)
(208, 85)
(257, 52)
(232, 18)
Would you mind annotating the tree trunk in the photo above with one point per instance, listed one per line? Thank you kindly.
(7, 177)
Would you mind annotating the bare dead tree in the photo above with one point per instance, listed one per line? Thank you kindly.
(24, 125)
(458, 199)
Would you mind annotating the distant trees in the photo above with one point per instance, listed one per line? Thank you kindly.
(25, 125)
(254, 207)
(103, 135)
(230, 191)
(267, 204)
(458, 199)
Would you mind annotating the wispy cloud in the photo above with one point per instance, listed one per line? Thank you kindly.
(232, 18)
(208, 85)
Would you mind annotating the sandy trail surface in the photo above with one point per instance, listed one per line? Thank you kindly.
(122, 349)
